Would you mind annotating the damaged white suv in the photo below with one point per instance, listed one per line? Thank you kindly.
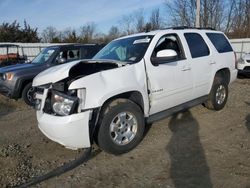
(134, 80)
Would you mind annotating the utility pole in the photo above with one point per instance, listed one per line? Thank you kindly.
(198, 7)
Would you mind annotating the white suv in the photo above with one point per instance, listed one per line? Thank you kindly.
(134, 80)
(244, 65)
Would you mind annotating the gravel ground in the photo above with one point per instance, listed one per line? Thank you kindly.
(197, 148)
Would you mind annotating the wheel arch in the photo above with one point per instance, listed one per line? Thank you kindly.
(224, 74)
(23, 84)
(134, 96)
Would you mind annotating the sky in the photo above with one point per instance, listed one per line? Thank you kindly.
(63, 14)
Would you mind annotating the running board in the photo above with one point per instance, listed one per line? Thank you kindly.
(166, 113)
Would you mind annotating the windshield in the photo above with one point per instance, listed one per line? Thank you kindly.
(129, 50)
(44, 55)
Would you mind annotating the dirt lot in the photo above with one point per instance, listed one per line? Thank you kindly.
(198, 148)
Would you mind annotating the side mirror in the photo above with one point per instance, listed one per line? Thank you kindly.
(164, 56)
(61, 60)
(169, 54)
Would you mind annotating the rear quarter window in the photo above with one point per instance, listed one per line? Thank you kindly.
(220, 42)
(197, 45)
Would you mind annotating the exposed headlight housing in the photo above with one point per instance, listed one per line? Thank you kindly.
(62, 104)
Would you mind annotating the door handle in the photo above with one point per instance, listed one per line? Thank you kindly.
(212, 63)
(186, 68)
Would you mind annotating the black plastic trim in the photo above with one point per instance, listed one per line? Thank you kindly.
(166, 113)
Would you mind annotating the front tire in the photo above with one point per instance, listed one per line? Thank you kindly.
(121, 126)
(28, 94)
(218, 95)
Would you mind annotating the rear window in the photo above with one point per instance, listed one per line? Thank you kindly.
(220, 42)
(197, 45)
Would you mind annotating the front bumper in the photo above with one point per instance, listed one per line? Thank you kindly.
(243, 69)
(71, 131)
(5, 91)
(9, 89)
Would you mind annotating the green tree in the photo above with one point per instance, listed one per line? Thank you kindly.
(13, 32)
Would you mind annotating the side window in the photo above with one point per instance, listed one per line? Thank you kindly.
(172, 42)
(89, 51)
(220, 42)
(197, 45)
(69, 54)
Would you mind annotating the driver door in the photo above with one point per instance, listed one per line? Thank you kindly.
(170, 82)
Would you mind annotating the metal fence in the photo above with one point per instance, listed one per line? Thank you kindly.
(31, 50)
(240, 46)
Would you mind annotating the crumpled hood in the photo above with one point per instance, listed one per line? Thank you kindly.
(53, 74)
(81, 67)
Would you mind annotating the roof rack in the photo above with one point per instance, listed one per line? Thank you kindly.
(188, 27)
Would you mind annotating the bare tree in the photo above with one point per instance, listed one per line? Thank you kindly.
(49, 34)
(182, 12)
(229, 16)
(217, 14)
(139, 20)
(88, 31)
(126, 23)
(241, 19)
(155, 19)
(70, 36)
(212, 13)
(113, 33)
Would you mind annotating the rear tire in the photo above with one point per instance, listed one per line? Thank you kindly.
(218, 95)
(121, 126)
(28, 94)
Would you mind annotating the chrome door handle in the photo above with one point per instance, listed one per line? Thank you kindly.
(186, 68)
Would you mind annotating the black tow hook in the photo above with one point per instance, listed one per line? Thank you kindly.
(84, 157)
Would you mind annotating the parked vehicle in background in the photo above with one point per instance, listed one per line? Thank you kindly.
(243, 65)
(10, 54)
(134, 79)
(16, 80)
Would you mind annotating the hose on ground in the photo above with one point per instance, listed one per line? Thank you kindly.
(59, 170)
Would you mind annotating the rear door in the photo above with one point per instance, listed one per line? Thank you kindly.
(201, 63)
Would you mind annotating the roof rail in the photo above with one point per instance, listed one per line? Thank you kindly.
(188, 27)
(208, 28)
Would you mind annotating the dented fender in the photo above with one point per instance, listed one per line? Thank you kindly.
(103, 85)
